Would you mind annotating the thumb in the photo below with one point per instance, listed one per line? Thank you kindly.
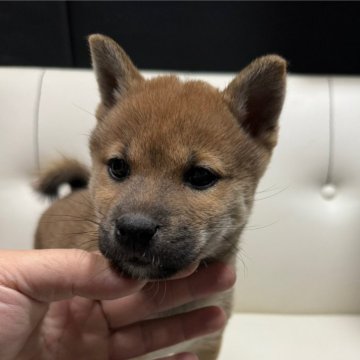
(57, 274)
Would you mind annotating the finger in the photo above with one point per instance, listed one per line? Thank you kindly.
(158, 297)
(182, 356)
(185, 272)
(48, 275)
(151, 335)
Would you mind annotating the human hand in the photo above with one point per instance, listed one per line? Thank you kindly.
(69, 304)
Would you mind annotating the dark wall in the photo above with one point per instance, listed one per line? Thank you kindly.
(316, 37)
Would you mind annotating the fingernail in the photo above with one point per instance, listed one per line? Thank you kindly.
(185, 272)
(227, 278)
(215, 320)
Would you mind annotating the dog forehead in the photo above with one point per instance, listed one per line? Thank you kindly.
(167, 107)
(169, 120)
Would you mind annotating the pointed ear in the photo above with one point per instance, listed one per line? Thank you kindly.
(115, 72)
(256, 96)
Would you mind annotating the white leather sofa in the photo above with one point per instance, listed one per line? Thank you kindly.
(298, 289)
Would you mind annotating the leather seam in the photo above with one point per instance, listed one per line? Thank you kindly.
(330, 167)
(37, 117)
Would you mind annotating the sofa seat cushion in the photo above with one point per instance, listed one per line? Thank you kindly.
(292, 337)
(20, 210)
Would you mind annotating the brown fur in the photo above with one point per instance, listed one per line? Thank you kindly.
(162, 127)
(64, 171)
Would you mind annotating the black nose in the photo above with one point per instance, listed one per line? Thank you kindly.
(135, 231)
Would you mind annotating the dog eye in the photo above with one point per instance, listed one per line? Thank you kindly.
(118, 169)
(200, 178)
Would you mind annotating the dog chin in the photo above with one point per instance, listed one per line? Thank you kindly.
(155, 267)
(144, 271)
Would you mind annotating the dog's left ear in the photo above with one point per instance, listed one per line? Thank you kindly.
(256, 96)
(115, 72)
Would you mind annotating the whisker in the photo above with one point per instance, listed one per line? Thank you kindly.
(268, 189)
(163, 297)
(84, 110)
(72, 218)
(272, 195)
(258, 227)
(82, 233)
(156, 291)
(148, 287)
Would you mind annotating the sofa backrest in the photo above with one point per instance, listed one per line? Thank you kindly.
(301, 249)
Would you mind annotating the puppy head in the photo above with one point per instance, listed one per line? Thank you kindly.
(176, 164)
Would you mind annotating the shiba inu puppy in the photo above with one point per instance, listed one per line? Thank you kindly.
(174, 169)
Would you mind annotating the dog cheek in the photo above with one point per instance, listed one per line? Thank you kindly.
(225, 225)
(106, 243)
(180, 242)
(105, 195)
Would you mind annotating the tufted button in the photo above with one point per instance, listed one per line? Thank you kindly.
(328, 191)
(64, 190)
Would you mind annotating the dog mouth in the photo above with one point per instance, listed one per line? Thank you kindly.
(137, 261)
(160, 262)
(147, 268)
(141, 269)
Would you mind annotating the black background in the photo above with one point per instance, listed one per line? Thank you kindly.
(315, 37)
